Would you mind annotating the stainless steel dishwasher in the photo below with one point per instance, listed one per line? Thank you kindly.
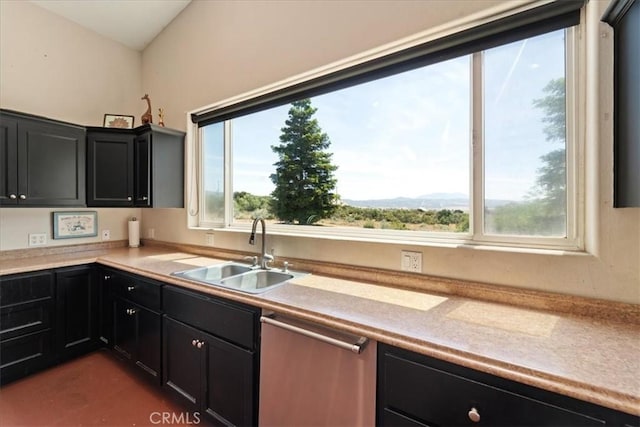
(311, 375)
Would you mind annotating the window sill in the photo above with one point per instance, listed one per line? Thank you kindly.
(390, 237)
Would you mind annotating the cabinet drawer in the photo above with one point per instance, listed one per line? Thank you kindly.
(233, 322)
(19, 288)
(144, 292)
(25, 318)
(23, 355)
(433, 396)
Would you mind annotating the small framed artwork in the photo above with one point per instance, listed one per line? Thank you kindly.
(118, 121)
(69, 225)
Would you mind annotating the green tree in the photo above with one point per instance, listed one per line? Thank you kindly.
(544, 213)
(304, 179)
(551, 184)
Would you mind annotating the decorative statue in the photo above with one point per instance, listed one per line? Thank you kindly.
(161, 116)
(147, 117)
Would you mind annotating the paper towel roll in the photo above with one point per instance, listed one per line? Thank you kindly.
(134, 234)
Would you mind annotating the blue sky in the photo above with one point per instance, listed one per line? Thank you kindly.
(408, 135)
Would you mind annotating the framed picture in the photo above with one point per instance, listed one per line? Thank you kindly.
(69, 225)
(118, 121)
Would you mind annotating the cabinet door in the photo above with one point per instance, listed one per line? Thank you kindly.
(230, 385)
(148, 342)
(51, 164)
(142, 168)
(110, 169)
(8, 160)
(105, 307)
(182, 362)
(124, 328)
(77, 311)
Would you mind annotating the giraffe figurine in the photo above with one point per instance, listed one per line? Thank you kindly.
(147, 117)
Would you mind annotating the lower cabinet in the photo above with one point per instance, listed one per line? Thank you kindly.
(77, 311)
(136, 336)
(46, 317)
(210, 373)
(136, 321)
(416, 390)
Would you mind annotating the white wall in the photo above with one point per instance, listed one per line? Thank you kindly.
(52, 67)
(215, 50)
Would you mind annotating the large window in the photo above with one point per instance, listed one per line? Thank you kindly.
(476, 148)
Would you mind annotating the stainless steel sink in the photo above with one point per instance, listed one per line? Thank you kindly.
(238, 276)
(214, 273)
(257, 280)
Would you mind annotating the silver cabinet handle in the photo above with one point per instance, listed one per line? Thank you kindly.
(23, 197)
(356, 347)
(131, 311)
(145, 198)
(129, 198)
(200, 344)
(13, 196)
(130, 288)
(194, 343)
(107, 277)
(474, 415)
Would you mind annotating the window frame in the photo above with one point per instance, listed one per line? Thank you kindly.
(574, 240)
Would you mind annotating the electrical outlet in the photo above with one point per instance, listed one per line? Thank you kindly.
(411, 261)
(106, 235)
(208, 238)
(151, 233)
(37, 239)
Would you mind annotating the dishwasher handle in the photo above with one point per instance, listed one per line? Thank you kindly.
(356, 347)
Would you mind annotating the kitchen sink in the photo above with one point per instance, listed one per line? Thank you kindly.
(240, 277)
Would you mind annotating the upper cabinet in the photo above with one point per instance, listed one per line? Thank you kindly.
(42, 161)
(142, 167)
(624, 17)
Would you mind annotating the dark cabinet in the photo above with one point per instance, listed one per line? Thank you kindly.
(42, 161)
(624, 17)
(27, 308)
(141, 167)
(416, 390)
(105, 306)
(109, 169)
(211, 365)
(77, 311)
(136, 332)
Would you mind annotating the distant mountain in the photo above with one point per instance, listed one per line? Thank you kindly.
(428, 201)
(445, 196)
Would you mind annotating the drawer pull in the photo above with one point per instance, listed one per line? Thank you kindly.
(474, 415)
(107, 277)
(130, 288)
(13, 196)
(131, 311)
(200, 344)
(194, 343)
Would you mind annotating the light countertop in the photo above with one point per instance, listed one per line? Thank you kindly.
(591, 358)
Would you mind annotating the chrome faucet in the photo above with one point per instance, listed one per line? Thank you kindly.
(265, 257)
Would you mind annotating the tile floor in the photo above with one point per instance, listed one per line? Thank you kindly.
(96, 389)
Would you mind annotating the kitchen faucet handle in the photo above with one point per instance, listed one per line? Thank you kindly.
(267, 259)
(253, 259)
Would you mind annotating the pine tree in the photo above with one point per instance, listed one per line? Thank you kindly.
(304, 180)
